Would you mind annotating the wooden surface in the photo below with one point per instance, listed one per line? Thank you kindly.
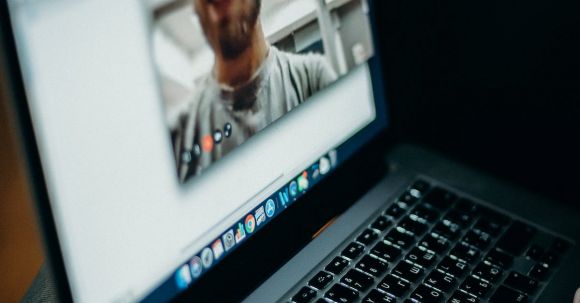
(20, 249)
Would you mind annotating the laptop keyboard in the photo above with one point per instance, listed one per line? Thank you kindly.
(433, 245)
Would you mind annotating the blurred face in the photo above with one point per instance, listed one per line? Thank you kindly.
(228, 24)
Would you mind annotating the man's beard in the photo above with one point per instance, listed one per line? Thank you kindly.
(235, 38)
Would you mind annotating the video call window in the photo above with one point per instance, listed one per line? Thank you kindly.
(230, 68)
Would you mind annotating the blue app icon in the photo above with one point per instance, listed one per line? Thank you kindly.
(293, 188)
(183, 277)
(270, 208)
(284, 197)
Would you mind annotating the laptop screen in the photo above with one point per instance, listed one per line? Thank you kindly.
(171, 131)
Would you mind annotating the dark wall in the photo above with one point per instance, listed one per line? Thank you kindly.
(494, 83)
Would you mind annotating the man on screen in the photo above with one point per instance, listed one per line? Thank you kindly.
(251, 84)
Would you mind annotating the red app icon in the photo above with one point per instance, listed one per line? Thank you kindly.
(207, 143)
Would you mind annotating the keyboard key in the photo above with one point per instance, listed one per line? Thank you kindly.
(425, 294)
(499, 258)
(421, 187)
(487, 272)
(521, 282)
(506, 295)
(440, 281)
(394, 286)
(540, 271)
(535, 252)
(305, 295)
(421, 256)
(386, 252)
(408, 199)
(353, 250)
(478, 239)
(381, 223)
(357, 280)
(516, 238)
(466, 206)
(461, 219)
(376, 296)
(429, 214)
(550, 258)
(413, 226)
(418, 219)
(475, 286)
(494, 216)
(408, 271)
(435, 243)
(560, 245)
(400, 238)
(448, 230)
(372, 266)
(337, 265)
(341, 294)
(462, 297)
(440, 198)
(487, 226)
(465, 252)
(367, 237)
(395, 211)
(320, 280)
(321, 300)
(453, 267)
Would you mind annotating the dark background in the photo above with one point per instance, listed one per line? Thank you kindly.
(494, 84)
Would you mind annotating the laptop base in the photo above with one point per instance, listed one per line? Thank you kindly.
(407, 163)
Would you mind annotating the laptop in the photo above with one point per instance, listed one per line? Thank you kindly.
(239, 150)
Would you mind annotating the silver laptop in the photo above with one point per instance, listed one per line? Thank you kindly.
(238, 150)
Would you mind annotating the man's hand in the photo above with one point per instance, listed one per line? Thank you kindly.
(577, 296)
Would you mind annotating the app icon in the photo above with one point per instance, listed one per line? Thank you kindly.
(303, 181)
(196, 150)
(207, 143)
(183, 277)
(217, 136)
(270, 208)
(333, 158)
(315, 169)
(260, 215)
(218, 249)
(250, 223)
(240, 233)
(206, 257)
(186, 156)
(196, 267)
(229, 240)
(283, 196)
(228, 130)
(293, 188)
(324, 165)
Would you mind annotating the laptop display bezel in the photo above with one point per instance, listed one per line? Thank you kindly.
(330, 198)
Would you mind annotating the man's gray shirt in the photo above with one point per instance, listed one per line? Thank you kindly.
(283, 82)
